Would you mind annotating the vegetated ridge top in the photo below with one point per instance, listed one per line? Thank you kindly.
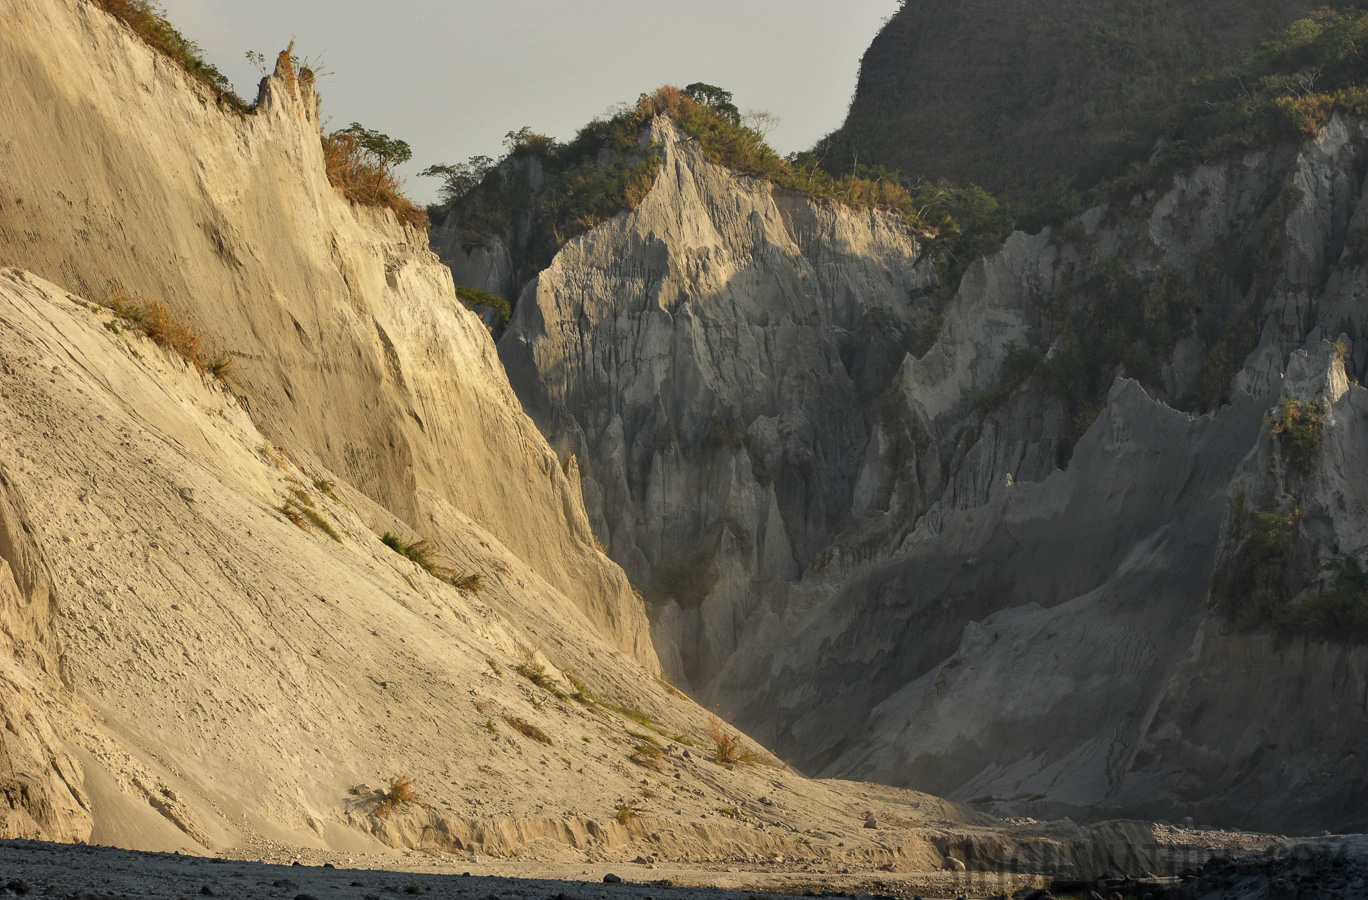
(1021, 97)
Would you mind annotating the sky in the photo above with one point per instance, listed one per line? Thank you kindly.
(453, 77)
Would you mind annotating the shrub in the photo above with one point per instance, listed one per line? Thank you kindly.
(1299, 429)
(527, 729)
(166, 329)
(401, 793)
(472, 298)
(148, 21)
(358, 163)
(1258, 580)
(1338, 616)
(625, 813)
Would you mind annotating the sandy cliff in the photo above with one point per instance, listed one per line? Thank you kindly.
(350, 346)
(207, 648)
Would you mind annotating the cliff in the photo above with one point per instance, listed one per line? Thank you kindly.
(984, 567)
(345, 330)
(205, 644)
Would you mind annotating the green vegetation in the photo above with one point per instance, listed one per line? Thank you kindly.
(417, 551)
(472, 298)
(165, 329)
(607, 168)
(1299, 429)
(1260, 588)
(1339, 615)
(421, 553)
(625, 813)
(1021, 98)
(603, 170)
(148, 21)
(1098, 326)
(327, 488)
(1284, 88)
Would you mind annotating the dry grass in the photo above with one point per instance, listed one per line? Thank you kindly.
(527, 729)
(728, 748)
(401, 793)
(625, 813)
(148, 21)
(536, 673)
(299, 508)
(327, 488)
(362, 180)
(166, 329)
(470, 582)
(649, 756)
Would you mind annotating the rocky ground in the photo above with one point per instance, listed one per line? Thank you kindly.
(1307, 870)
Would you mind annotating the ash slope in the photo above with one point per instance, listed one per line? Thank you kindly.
(187, 665)
(922, 570)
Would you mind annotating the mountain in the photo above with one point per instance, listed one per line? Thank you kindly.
(283, 563)
(1022, 97)
(1073, 535)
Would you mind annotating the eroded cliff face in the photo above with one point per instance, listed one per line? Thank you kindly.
(163, 670)
(975, 572)
(350, 346)
(710, 360)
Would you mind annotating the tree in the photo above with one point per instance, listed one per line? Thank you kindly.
(717, 98)
(460, 179)
(383, 150)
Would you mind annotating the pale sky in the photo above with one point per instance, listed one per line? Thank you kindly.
(452, 78)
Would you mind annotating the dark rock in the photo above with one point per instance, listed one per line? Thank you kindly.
(19, 886)
(207, 891)
(610, 878)
(329, 866)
